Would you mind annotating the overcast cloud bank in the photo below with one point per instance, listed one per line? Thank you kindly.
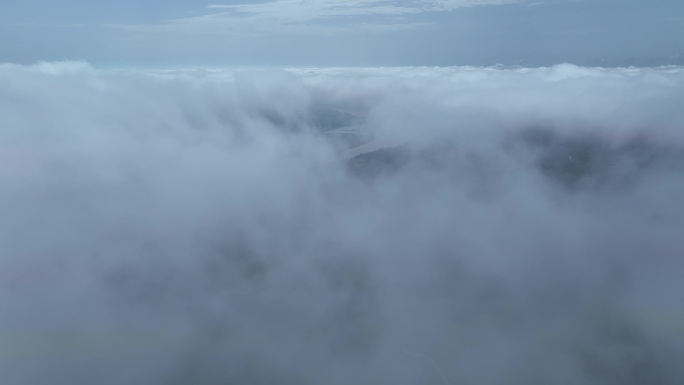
(341, 226)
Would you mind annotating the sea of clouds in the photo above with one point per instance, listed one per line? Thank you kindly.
(341, 226)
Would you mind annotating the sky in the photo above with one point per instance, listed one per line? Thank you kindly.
(181, 33)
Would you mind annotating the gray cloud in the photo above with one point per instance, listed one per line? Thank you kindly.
(507, 226)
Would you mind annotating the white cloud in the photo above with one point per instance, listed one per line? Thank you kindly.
(306, 16)
(199, 227)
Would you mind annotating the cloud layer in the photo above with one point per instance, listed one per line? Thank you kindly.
(341, 226)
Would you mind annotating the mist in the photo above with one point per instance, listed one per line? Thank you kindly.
(461, 225)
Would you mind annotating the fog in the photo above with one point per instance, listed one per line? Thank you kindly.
(462, 225)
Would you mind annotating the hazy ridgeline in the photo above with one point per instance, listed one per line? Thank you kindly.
(496, 226)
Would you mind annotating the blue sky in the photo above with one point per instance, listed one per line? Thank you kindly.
(343, 32)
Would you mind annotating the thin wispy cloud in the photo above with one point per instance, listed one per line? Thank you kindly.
(50, 25)
(305, 16)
